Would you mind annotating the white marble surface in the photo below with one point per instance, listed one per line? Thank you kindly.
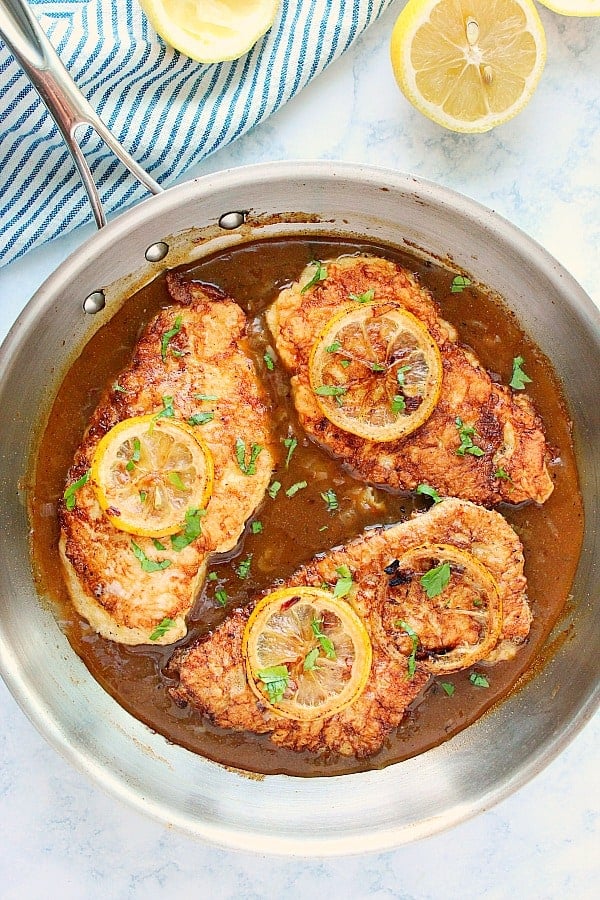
(60, 836)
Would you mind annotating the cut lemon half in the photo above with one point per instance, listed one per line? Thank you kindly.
(148, 472)
(468, 66)
(376, 371)
(574, 7)
(213, 30)
(440, 605)
(307, 653)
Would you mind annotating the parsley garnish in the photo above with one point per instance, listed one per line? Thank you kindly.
(429, 491)
(411, 664)
(148, 565)
(448, 687)
(479, 680)
(248, 468)
(298, 486)
(69, 494)
(320, 274)
(465, 433)
(158, 545)
(276, 680)
(459, 283)
(434, 581)
(167, 337)
(192, 529)
(331, 390)
(257, 527)
(310, 659)
(118, 389)
(221, 596)
(365, 297)
(274, 489)
(135, 456)
(398, 404)
(401, 372)
(345, 363)
(334, 348)
(161, 629)
(167, 412)
(176, 480)
(291, 443)
(201, 418)
(519, 378)
(344, 583)
(331, 500)
(269, 361)
(205, 397)
(212, 576)
(324, 641)
(243, 569)
(377, 367)
(502, 473)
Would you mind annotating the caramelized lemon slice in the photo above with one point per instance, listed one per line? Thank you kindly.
(468, 66)
(148, 472)
(441, 605)
(307, 653)
(376, 371)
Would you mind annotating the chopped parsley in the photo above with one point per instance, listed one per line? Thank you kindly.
(257, 527)
(221, 596)
(135, 456)
(269, 361)
(377, 367)
(479, 680)
(519, 378)
(176, 480)
(325, 642)
(459, 283)
(249, 467)
(334, 348)
(447, 687)
(344, 583)
(502, 473)
(298, 486)
(69, 494)
(191, 530)
(243, 570)
(118, 389)
(411, 664)
(167, 412)
(158, 545)
(320, 274)
(149, 565)
(331, 500)
(398, 404)
(274, 489)
(168, 337)
(401, 373)
(275, 680)
(212, 576)
(345, 363)
(310, 660)
(162, 629)
(201, 418)
(331, 390)
(465, 433)
(205, 397)
(365, 297)
(435, 580)
(291, 443)
(427, 491)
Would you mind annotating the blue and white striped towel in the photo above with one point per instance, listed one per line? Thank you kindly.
(168, 111)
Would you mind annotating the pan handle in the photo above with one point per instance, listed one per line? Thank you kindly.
(23, 35)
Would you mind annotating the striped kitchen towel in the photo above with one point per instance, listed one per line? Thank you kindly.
(168, 111)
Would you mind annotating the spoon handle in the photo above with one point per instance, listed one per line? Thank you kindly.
(24, 36)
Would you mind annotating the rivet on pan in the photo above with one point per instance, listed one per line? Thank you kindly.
(156, 252)
(232, 220)
(94, 302)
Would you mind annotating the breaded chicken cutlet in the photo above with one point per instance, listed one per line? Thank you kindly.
(420, 637)
(191, 364)
(483, 441)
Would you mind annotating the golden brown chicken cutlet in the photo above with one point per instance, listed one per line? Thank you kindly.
(482, 441)
(423, 631)
(192, 364)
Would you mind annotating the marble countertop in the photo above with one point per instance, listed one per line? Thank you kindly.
(59, 834)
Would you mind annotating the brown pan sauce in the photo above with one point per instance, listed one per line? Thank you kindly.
(294, 529)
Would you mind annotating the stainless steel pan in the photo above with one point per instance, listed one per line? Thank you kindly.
(357, 813)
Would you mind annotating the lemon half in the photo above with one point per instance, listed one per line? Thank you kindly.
(211, 31)
(574, 7)
(468, 66)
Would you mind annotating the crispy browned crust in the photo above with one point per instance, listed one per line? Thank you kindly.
(508, 428)
(106, 582)
(212, 676)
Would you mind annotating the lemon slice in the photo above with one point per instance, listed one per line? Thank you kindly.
(440, 604)
(468, 67)
(307, 653)
(211, 31)
(574, 7)
(376, 371)
(148, 472)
